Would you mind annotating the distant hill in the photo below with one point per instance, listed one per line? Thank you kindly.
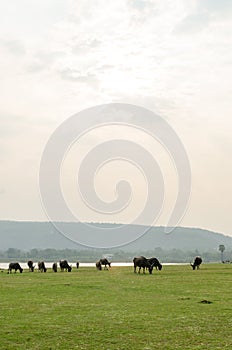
(42, 235)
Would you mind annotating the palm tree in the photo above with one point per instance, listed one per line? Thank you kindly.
(221, 249)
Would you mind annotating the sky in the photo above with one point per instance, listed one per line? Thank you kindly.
(174, 58)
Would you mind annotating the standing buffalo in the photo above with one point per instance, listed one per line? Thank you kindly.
(98, 265)
(31, 266)
(105, 262)
(65, 266)
(141, 261)
(54, 267)
(41, 266)
(155, 263)
(197, 262)
(14, 266)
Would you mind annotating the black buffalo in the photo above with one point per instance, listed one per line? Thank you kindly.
(14, 266)
(155, 263)
(105, 262)
(54, 267)
(197, 262)
(142, 262)
(98, 265)
(41, 266)
(30, 265)
(65, 266)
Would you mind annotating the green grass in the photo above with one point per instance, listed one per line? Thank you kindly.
(117, 309)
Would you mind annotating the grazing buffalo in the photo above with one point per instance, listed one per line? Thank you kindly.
(77, 265)
(98, 265)
(54, 267)
(14, 266)
(41, 266)
(155, 263)
(65, 266)
(31, 266)
(141, 261)
(105, 262)
(197, 262)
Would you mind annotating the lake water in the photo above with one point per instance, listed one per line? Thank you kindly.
(4, 265)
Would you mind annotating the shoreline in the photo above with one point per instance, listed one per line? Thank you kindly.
(4, 265)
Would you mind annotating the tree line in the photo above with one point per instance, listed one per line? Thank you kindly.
(91, 255)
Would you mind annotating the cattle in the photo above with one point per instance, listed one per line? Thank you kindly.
(197, 262)
(54, 267)
(14, 266)
(155, 263)
(41, 266)
(142, 262)
(98, 265)
(77, 265)
(105, 262)
(31, 266)
(65, 266)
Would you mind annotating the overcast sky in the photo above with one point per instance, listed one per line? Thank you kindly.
(174, 57)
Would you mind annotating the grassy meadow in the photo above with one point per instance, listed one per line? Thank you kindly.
(117, 309)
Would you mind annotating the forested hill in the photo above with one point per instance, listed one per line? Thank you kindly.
(42, 235)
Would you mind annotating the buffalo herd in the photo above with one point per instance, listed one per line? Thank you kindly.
(139, 262)
(142, 262)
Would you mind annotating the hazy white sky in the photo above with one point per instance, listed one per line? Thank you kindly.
(174, 57)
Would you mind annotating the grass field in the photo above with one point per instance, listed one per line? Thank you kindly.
(117, 309)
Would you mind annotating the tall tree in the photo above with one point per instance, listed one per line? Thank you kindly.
(221, 249)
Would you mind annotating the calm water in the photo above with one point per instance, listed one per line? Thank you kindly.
(4, 265)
